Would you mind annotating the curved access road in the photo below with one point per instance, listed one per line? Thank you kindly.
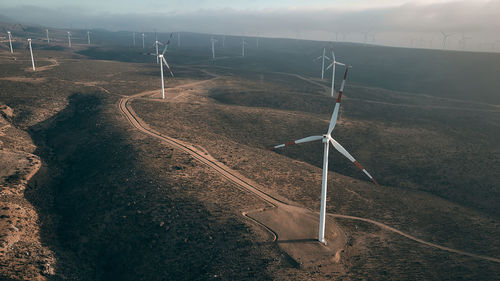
(279, 205)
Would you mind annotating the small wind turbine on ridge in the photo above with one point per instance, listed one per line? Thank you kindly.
(327, 139)
(163, 60)
(69, 39)
(47, 33)
(323, 57)
(445, 37)
(156, 43)
(10, 41)
(332, 65)
(212, 40)
(31, 52)
(243, 43)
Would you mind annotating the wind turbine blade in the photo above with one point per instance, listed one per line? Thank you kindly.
(339, 63)
(330, 66)
(165, 49)
(344, 152)
(335, 113)
(303, 140)
(326, 57)
(166, 64)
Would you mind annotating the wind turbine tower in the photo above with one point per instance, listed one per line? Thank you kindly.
(31, 52)
(88, 37)
(47, 33)
(445, 38)
(133, 38)
(212, 40)
(332, 65)
(327, 139)
(10, 41)
(243, 43)
(163, 60)
(143, 40)
(323, 57)
(69, 39)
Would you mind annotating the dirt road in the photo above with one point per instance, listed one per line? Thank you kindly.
(276, 219)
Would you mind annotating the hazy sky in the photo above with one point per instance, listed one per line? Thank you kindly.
(390, 22)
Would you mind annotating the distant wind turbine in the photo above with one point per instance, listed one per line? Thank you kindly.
(31, 52)
(47, 32)
(143, 40)
(88, 37)
(332, 65)
(243, 43)
(327, 139)
(223, 41)
(178, 39)
(156, 43)
(163, 60)
(69, 39)
(463, 41)
(10, 41)
(323, 57)
(445, 38)
(133, 38)
(212, 41)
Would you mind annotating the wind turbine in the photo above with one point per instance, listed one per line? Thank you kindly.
(178, 39)
(327, 139)
(212, 40)
(445, 37)
(332, 65)
(88, 37)
(69, 39)
(10, 41)
(47, 32)
(463, 41)
(143, 40)
(243, 43)
(163, 60)
(223, 41)
(133, 38)
(323, 57)
(156, 43)
(31, 52)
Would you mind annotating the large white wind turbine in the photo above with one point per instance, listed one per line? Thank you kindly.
(69, 39)
(47, 33)
(212, 40)
(10, 41)
(163, 60)
(327, 139)
(243, 43)
(31, 52)
(323, 57)
(332, 65)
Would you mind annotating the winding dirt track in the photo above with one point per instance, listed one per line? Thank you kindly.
(248, 185)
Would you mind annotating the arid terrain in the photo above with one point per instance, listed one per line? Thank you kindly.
(101, 179)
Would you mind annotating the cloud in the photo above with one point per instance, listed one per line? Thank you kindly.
(311, 22)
